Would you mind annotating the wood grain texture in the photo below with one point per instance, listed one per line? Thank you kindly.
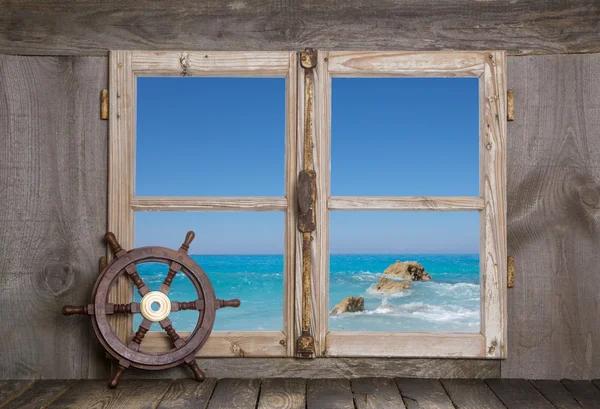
(556, 393)
(471, 394)
(333, 368)
(139, 394)
(329, 394)
(406, 344)
(423, 393)
(235, 394)
(214, 204)
(76, 27)
(493, 239)
(188, 394)
(584, 392)
(213, 63)
(405, 63)
(227, 344)
(281, 393)
(376, 393)
(11, 389)
(553, 218)
(53, 213)
(518, 394)
(39, 396)
(448, 204)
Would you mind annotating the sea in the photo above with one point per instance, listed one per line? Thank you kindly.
(450, 302)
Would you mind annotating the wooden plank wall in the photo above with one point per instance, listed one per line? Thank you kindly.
(554, 217)
(50, 27)
(53, 164)
(53, 215)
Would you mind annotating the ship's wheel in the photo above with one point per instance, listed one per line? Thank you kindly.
(155, 307)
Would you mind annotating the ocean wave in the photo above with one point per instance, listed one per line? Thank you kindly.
(423, 311)
(371, 291)
(462, 290)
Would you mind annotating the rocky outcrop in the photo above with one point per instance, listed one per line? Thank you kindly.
(349, 304)
(387, 286)
(407, 270)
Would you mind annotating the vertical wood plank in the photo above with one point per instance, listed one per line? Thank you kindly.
(556, 393)
(585, 392)
(188, 394)
(376, 393)
(471, 394)
(493, 217)
(40, 395)
(53, 213)
(518, 394)
(322, 122)
(423, 393)
(329, 394)
(291, 175)
(121, 179)
(235, 394)
(280, 393)
(554, 218)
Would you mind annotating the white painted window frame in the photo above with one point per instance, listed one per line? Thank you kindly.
(125, 67)
(490, 68)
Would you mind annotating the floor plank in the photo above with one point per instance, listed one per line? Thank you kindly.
(585, 392)
(376, 393)
(518, 394)
(329, 394)
(282, 393)
(556, 393)
(11, 389)
(40, 395)
(235, 394)
(188, 394)
(131, 393)
(423, 393)
(471, 394)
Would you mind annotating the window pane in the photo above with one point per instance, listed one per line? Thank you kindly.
(242, 254)
(210, 136)
(405, 137)
(434, 288)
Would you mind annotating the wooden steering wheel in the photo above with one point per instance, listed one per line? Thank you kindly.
(155, 306)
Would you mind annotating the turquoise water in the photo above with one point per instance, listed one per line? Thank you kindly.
(450, 302)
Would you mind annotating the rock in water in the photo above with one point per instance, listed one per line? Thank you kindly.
(349, 304)
(387, 286)
(407, 270)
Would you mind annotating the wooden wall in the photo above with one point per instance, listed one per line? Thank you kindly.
(53, 162)
(50, 27)
(53, 181)
(554, 217)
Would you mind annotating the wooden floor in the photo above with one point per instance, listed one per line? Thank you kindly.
(366, 393)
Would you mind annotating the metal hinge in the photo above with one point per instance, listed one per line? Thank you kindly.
(510, 272)
(104, 104)
(510, 105)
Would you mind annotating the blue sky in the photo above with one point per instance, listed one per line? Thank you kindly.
(390, 137)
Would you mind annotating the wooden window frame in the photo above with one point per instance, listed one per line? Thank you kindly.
(125, 67)
(490, 68)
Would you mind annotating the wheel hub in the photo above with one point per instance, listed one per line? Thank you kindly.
(163, 306)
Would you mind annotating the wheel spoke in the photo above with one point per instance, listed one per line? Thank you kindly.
(131, 308)
(174, 268)
(196, 305)
(167, 325)
(132, 272)
(139, 335)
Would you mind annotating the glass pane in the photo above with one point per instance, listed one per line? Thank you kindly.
(242, 254)
(405, 137)
(413, 271)
(210, 136)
